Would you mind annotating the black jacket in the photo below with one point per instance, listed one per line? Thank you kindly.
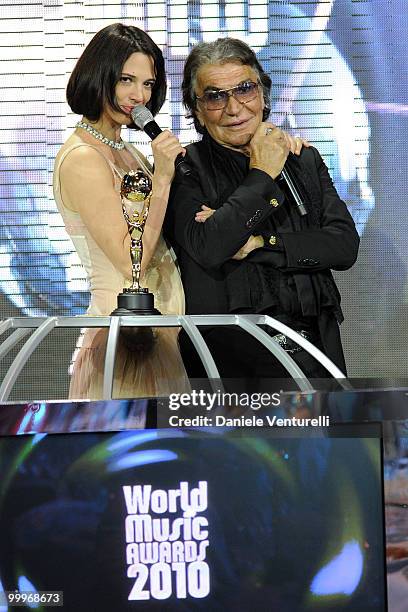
(325, 239)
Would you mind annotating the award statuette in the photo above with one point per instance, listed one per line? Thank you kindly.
(136, 300)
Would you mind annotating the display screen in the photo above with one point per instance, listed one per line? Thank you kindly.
(193, 520)
(339, 80)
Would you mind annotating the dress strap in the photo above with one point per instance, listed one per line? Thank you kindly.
(68, 150)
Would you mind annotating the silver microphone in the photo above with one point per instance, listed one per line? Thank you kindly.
(289, 179)
(143, 118)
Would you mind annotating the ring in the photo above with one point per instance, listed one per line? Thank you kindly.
(268, 131)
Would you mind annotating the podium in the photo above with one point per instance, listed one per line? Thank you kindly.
(37, 329)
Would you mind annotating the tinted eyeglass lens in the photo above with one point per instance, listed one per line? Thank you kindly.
(246, 91)
(215, 100)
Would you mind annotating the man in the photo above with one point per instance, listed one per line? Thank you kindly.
(256, 253)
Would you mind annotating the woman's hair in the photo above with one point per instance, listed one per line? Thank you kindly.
(221, 51)
(98, 70)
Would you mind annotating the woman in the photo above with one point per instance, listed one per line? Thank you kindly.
(120, 68)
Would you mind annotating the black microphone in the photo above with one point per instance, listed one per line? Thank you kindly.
(143, 118)
(290, 180)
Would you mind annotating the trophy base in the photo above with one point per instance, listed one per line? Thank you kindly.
(140, 340)
(134, 303)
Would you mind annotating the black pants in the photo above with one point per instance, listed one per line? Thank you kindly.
(245, 361)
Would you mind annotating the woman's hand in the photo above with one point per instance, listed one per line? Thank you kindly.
(253, 242)
(296, 143)
(165, 149)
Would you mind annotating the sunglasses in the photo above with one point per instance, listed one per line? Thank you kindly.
(218, 99)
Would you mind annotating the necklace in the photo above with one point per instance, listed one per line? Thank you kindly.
(99, 136)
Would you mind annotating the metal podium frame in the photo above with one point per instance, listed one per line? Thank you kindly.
(22, 326)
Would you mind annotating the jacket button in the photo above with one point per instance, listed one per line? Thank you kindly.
(274, 202)
(272, 240)
(308, 262)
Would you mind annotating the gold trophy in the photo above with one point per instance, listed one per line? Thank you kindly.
(136, 300)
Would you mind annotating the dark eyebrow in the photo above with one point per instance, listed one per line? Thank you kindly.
(132, 76)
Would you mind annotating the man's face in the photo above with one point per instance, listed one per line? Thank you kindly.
(234, 125)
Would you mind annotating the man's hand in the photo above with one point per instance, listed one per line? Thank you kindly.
(253, 242)
(204, 214)
(269, 149)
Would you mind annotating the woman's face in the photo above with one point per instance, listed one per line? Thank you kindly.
(134, 87)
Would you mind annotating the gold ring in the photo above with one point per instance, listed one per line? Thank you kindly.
(268, 131)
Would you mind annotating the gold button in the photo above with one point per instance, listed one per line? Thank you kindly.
(272, 240)
(274, 202)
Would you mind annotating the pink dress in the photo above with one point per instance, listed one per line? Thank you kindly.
(161, 371)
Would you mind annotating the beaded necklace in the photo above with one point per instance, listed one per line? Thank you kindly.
(118, 145)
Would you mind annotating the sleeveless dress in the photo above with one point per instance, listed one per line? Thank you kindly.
(157, 373)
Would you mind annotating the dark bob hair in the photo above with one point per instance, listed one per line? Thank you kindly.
(98, 70)
(221, 51)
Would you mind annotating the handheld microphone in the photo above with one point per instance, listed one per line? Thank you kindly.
(143, 118)
(290, 181)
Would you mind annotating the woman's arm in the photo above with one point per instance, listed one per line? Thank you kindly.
(165, 149)
(87, 187)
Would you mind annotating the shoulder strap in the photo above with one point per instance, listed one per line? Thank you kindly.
(71, 148)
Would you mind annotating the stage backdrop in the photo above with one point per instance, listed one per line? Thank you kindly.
(339, 80)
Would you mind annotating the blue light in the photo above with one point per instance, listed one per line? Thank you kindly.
(32, 420)
(25, 585)
(126, 440)
(39, 414)
(132, 460)
(38, 437)
(2, 608)
(342, 574)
